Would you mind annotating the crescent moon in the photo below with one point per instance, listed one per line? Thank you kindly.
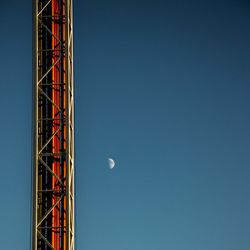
(111, 163)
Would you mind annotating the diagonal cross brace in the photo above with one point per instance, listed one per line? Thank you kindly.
(49, 140)
(45, 240)
(59, 110)
(38, 14)
(50, 170)
(49, 211)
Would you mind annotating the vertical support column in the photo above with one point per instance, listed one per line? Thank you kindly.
(70, 128)
(35, 129)
(53, 125)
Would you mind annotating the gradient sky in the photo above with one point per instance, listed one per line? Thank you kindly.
(163, 87)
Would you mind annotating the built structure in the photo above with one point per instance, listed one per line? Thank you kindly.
(53, 123)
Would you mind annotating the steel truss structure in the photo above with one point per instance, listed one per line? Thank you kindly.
(53, 105)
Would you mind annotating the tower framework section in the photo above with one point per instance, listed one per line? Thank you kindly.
(53, 123)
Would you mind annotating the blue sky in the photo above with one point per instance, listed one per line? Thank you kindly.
(163, 87)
